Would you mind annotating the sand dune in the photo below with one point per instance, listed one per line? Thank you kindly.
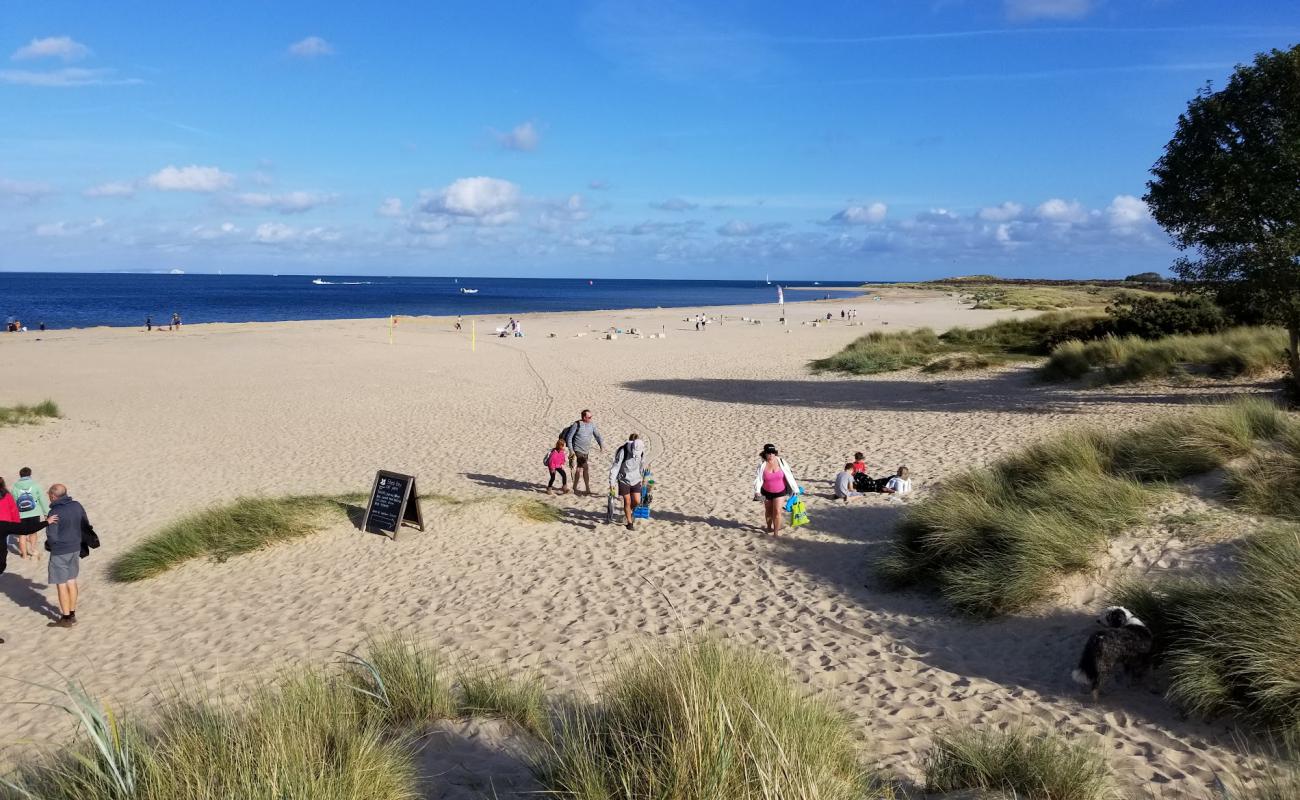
(161, 424)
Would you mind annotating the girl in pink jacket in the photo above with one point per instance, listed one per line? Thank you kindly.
(555, 463)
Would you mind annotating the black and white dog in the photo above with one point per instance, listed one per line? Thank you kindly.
(1126, 642)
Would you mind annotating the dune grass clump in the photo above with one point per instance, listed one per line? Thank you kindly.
(1033, 765)
(400, 682)
(996, 540)
(1269, 482)
(491, 692)
(27, 415)
(1231, 646)
(962, 362)
(879, 351)
(242, 526)
(302, 737)
(705, 722)
(1111, 360)
(537, 511)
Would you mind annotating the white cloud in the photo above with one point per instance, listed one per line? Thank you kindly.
(1001, 213)
(25, 192)
(735, 228)
(1062, 211)
(675, 204)
(489, 201)
(861, 215)
(279, 233)
(62, 47)
(65, 77)
(1024, 10)
(391, 207)
(525, 137)
(112, 189)
(286, 203)
(214, 232)
(311, 47)
(190, 179)
(1127, 212)
(63, 229)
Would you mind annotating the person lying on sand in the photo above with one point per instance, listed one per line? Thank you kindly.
(899, 484)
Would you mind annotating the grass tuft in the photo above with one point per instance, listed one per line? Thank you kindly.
(27, 415)
(1028, 764)
(400, 682)
(242, 526)
(704, 722)
(996, 540)
(1269, 482)
(490, 692)
(537, 511)
(883, 352)
(961, 362)
(1231, 646)
(1228, 354)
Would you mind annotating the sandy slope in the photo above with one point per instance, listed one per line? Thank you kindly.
(160, 424)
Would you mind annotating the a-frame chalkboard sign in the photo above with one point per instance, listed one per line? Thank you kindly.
(393, 500)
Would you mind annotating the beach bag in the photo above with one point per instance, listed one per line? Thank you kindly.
(798, 513)
(641, 512)
(546, 459)
(609, 510)
(25, 500)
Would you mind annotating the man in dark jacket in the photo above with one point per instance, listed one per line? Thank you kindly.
(63, 540)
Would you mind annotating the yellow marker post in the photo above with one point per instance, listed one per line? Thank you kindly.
(473, 335)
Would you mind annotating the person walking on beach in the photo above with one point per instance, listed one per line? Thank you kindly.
(773, 482)
(176, 322)
(148, 323)
(626, 474)
(13, 524)
(579, 437)
(555, 463)
(30, 500)
(63, 538)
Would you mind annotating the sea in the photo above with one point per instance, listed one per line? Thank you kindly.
(80, 300)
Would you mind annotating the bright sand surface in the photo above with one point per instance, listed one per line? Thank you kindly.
(158, 425)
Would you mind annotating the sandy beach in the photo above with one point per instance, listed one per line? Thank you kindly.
(158, 425)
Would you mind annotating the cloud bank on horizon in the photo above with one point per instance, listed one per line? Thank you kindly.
(664, 140)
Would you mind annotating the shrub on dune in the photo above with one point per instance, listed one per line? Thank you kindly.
(1027, 764)
(704, 722)
(879, 351)
(25, 415)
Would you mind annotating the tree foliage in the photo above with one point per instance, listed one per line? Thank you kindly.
(1228, 189)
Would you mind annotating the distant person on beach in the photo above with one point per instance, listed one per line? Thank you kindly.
(458, 322)
(176, 322)
(41, 327)
(773, 482)
(899, 484)
(63, 538)
(580, 436)
(861, 480)
(844, 485)
(30, 500)
(626, 474)
(555, 463)
(148, 323)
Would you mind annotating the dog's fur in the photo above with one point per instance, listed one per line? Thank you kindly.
(1125, 642)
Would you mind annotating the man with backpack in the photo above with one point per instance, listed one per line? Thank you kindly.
(579, 437)
(30, 498)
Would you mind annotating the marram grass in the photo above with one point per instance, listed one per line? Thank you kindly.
(1228, 354)
(493, 692)
(1028, 764)
(26, 415)
(995, 540)
(705, 721)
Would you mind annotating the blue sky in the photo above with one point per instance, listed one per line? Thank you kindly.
(894, 139)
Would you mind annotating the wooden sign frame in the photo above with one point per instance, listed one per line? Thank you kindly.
(408, 512)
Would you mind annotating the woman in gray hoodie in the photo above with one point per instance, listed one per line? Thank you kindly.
(625, 475)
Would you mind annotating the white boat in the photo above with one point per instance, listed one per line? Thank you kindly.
(463, 290)
(768, 278)
(319, 282)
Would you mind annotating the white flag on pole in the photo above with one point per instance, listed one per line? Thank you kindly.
(780, 296)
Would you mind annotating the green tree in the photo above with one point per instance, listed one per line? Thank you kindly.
(1228, 189)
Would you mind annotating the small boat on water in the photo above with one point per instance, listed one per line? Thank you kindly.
(319, 282)
(463, 290)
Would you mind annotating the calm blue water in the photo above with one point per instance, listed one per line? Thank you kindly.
(78, 300)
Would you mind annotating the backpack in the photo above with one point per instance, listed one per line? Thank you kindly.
(572, 427)
(25, 500)
(546, 459)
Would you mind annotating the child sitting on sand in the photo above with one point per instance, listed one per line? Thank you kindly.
(554, 461)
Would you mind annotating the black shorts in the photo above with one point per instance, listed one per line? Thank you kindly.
(775, 495)
(580, 460)
(624, 490)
